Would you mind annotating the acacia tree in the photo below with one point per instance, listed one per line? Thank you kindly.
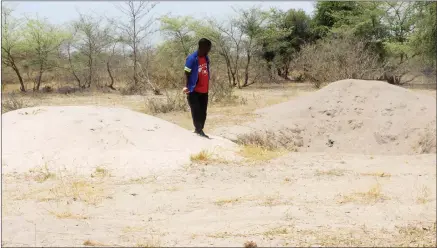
(178, 30)
(250, 23)
(230, 40)
(12, 44)
(42, 41)
(136, 29)
(91, 38)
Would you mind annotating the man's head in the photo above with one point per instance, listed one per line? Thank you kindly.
(204, 47)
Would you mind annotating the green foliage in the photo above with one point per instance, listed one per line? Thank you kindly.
(178, 30)
(41, 42)
(332, 14)
(12, 39)
(424, 39)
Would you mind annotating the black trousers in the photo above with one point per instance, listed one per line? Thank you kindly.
(198, 104)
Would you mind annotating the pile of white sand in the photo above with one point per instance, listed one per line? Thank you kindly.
(81, 139)
(352, 116)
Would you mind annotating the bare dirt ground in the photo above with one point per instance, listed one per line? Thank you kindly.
(273, 198)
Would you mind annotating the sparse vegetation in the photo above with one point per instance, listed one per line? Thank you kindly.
(201, 157)
(427, 142)
(276, 231)
(172, 102)
(42, 174)
(423, 196)
(78, 190)
(11, 102)
(372, 196)
(257, 153)
(229, 201)
(68, 215)
(100, 172)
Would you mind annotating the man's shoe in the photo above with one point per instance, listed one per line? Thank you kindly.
(201, 133)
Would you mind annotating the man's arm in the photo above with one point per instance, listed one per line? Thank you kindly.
(187, 69)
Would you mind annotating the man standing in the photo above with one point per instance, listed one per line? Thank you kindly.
(197, 84)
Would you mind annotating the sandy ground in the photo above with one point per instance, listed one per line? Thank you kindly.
(297, 200)
(294, 199)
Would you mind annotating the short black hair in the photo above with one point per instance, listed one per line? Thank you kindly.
(204, 42)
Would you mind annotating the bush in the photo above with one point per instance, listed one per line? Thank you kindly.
(334, 59)
(269, 140)
(223, 92)
(172, 102)
(11, 102)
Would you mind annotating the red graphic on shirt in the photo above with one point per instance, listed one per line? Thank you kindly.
(203, 80)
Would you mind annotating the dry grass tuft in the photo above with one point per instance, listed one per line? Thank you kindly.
(268, 140)
(417, 236)
(332, 172)
(423, 196)
(257, 153)
(201, 157)
(172, 102)
(11, 102)
(68, 215)
(42, 174)
(427, 142)
(148, 243)
(101, 172)
(78, 190)
(272, 201)
(276, 231)
(250, 244)
(229, 201)
(374, 195)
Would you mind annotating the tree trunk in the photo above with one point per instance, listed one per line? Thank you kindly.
(17, 71)
(72, 68)
(135, 50)
(90, 67)
(111, 85)
(38, 82)
(246, 71)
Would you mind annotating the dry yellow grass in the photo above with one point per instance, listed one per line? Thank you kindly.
(201, 157)
(373, 195)
(149, 243)
(276, 231)
(91, 192)
(101, 172)
(257, 153)
(229, 201)
(42, 173)
(68, 215)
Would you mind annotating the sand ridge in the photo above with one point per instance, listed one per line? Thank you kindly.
(351, 116)
(82, 138)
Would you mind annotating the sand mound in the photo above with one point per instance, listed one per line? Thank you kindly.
(80, 139)
(352, 116)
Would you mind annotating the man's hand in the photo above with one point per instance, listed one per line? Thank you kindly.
(185, 90)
